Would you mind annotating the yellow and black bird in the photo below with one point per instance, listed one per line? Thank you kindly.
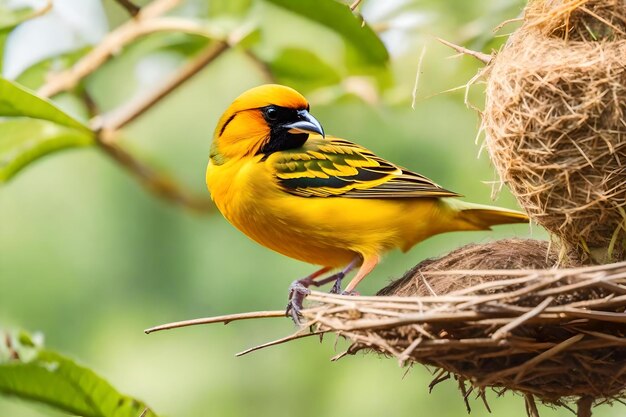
(276, 176)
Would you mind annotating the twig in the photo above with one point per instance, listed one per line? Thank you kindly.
(505, 330)
(484, 58)
(144, 413)
(406, 353)
(121, 117)
(520, 370)
(297, 335)
(584, 406)
(261, 65)
(41, 11)
(441, 376)
(217, 319)
(426, 283)
(483, 396)
(112, 44)
(130, 7)
(531, 406)
(155, 181)
(106, 126)
(464, 393)
(506, 22)
(355, 4)
(417, 77)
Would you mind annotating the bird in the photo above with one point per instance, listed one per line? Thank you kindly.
(275, 175)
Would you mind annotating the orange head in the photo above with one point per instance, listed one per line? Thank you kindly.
(263, 120)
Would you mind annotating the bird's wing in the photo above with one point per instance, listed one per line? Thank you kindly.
(334, 167)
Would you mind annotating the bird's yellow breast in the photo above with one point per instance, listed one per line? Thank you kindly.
(327, 231)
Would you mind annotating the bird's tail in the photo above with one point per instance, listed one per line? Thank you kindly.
(481, 217)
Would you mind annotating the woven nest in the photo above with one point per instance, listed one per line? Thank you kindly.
(552, 334)
(555, 122)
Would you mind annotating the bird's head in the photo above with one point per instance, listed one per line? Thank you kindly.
(263, 120)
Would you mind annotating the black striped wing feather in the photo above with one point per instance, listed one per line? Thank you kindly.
(334, 167)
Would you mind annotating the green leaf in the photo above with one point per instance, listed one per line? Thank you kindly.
(302, 69)
(35, 76)
(32, 373)
(253, 37)
(182, 43)
(338, 17)
(9, 19)
(16, 101)
(229, 7)
(24, 140)
(38, 128)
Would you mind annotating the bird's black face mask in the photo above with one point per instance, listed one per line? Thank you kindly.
(289, 128)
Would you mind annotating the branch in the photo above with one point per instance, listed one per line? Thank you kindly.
(531, 405)
(155, 181)
(298, 335)
(42, 11)
(106, 127)
(584, 404)
(144, 23)
(484, 58)
(130, 7)
(122, 117)
(265, 69)
(355, 4)
(218, 319)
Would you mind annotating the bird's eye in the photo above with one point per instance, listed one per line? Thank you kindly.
(271, 113)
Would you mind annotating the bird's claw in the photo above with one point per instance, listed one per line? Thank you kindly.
(299, 289)
(297, 292)
(336, 289)
(352, 293)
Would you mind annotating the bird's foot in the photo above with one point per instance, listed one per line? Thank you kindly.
(353, 293)
(298, 290)
(336, 289)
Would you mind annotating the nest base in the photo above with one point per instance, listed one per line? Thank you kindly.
(557, 335)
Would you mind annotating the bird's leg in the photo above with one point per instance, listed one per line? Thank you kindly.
(368, 264)
(338, 277)
(300, 289)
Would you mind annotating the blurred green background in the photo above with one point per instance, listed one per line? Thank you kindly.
(90, 259)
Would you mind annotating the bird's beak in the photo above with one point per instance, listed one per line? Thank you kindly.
(305, 124)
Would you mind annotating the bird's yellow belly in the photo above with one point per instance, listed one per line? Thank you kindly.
(327, 231)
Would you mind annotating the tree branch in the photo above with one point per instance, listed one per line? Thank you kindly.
(265, 69)
(155, 181)
(105, 127)
(144, 23)
(355, 4)
(122, 117)
(218, 319)
(130, 7)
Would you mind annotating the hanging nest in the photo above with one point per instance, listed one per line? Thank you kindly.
(555, 122)
(557, 335)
